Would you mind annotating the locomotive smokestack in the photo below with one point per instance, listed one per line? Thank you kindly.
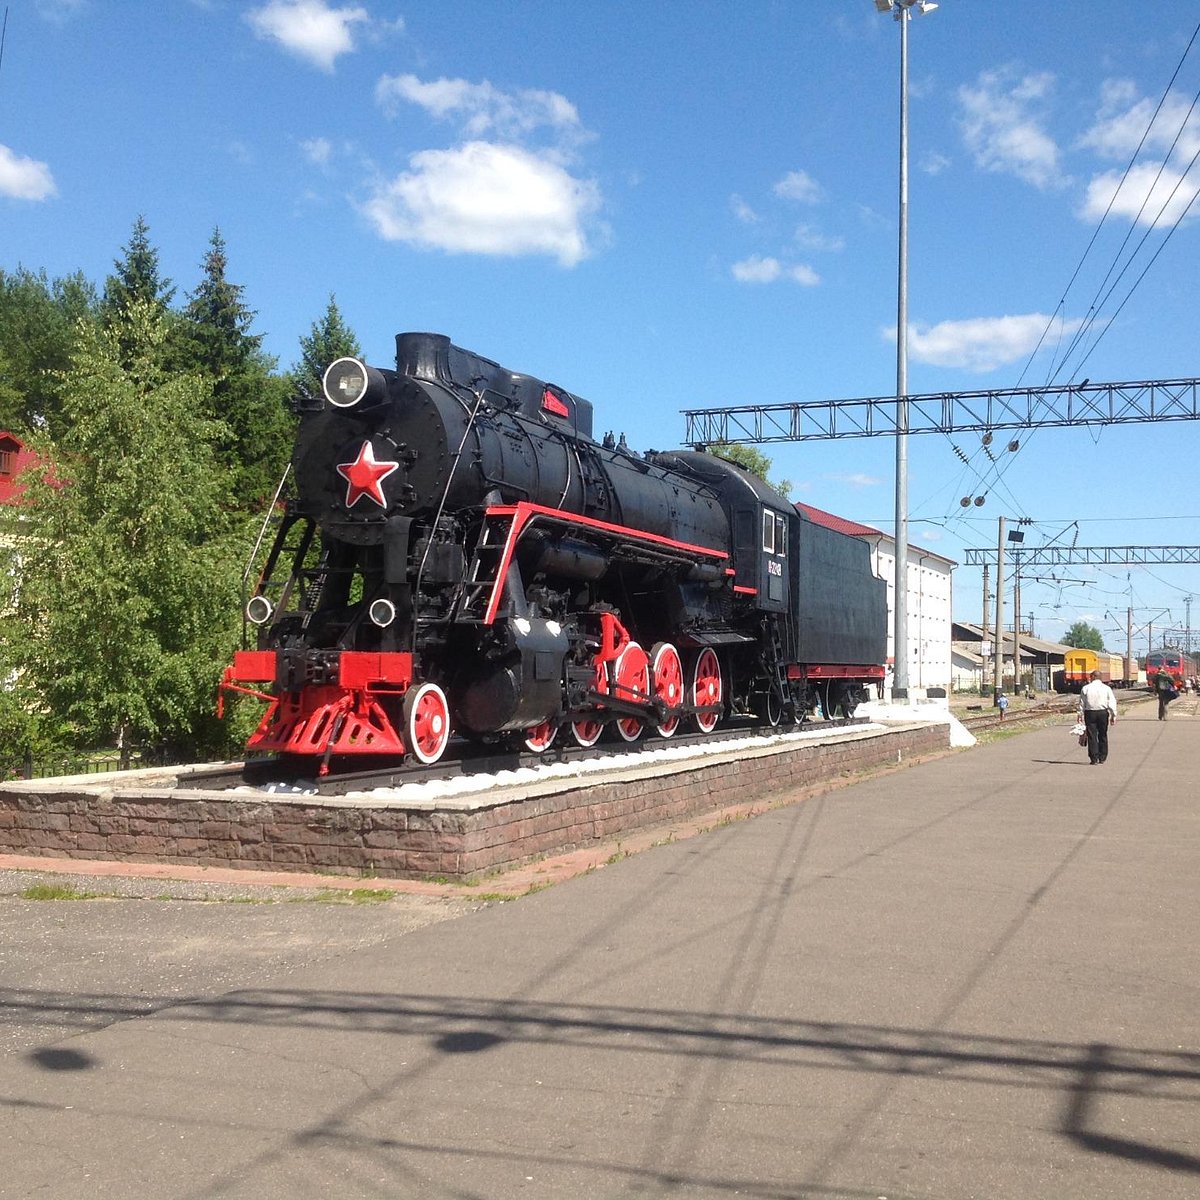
(423, 355)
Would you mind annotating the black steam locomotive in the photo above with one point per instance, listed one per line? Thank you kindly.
(461, 554)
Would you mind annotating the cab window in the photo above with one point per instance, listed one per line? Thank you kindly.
(769, 532)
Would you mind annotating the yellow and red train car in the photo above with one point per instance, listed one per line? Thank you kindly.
(1079, 664)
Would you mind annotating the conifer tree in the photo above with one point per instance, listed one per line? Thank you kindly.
(137, 276)
(137, 280)
(217, 340)
(328, 339)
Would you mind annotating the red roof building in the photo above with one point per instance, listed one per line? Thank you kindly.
(839, 524)
(15, 458)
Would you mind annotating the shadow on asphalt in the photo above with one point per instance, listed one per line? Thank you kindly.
(1083, 1074)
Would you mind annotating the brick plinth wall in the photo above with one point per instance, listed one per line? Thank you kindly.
(457, 838)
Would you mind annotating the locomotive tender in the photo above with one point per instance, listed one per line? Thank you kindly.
(462, 554)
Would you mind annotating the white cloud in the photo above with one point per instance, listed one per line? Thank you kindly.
(24, 178)
(757, 269)
(485, 198)
(309, 29)
(60, 11)
(1155, 192)
(743, 211)
(811, 238)
(933, 163)
(984, 343)
(1122, 120)
(799, 185)
(482, 108)
(317, 150)
(1150, 195)
(1002, 127)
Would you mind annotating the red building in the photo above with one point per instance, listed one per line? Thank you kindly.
(15, 458)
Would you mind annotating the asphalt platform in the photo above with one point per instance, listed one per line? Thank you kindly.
(973, 977)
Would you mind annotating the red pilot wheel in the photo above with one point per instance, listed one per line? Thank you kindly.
(666, 671)
(707, 689)
(633, 683)
(426, 722)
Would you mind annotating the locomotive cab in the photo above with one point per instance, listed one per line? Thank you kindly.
(762, 529)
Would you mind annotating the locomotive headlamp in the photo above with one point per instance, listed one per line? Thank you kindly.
(382, 613)
(348, 382)
(259, 610)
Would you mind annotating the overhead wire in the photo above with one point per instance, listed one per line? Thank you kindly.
(993, 475)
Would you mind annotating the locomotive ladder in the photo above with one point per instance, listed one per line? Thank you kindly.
(488, 560)
(779, 679)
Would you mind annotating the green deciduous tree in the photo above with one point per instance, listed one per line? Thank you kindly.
(752, 460)
(39, 320)
(1083, 636)
(127, 605)
(329, 338)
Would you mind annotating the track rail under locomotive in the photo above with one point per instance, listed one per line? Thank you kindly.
(463, 759)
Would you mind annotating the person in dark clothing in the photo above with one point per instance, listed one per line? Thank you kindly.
(1098, 707)
(1164, 686)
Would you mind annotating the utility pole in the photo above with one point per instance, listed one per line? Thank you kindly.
(998, 675)
(987, 600)
(1016, 621)
(1130, 661)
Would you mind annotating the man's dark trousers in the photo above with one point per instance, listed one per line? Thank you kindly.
(1097, 733)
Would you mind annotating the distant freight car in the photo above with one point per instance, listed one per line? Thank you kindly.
(1078, 666)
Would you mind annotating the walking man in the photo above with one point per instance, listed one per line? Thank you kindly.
(1164, 686)
(1098, 707)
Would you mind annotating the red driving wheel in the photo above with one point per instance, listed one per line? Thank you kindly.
(540, 737)
(587, 730)
(666, 671)
(707, 689)
(632, 672)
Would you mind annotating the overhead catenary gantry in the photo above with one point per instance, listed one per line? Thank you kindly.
(1086, 556)
(1085, 404)
(986, 412)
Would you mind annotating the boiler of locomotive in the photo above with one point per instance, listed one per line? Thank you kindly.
(450, 429)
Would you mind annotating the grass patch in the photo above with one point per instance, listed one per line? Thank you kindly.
(354, 895)
(55, 891)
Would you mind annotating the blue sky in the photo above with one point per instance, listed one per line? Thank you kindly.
(675, 205)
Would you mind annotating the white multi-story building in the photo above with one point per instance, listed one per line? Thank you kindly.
(929, 599)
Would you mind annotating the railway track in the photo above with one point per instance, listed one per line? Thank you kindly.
(1057, 706)
(461, 759)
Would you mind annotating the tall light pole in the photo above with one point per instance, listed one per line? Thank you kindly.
(901, 11)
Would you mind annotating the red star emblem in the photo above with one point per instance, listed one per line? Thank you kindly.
(364, 476)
